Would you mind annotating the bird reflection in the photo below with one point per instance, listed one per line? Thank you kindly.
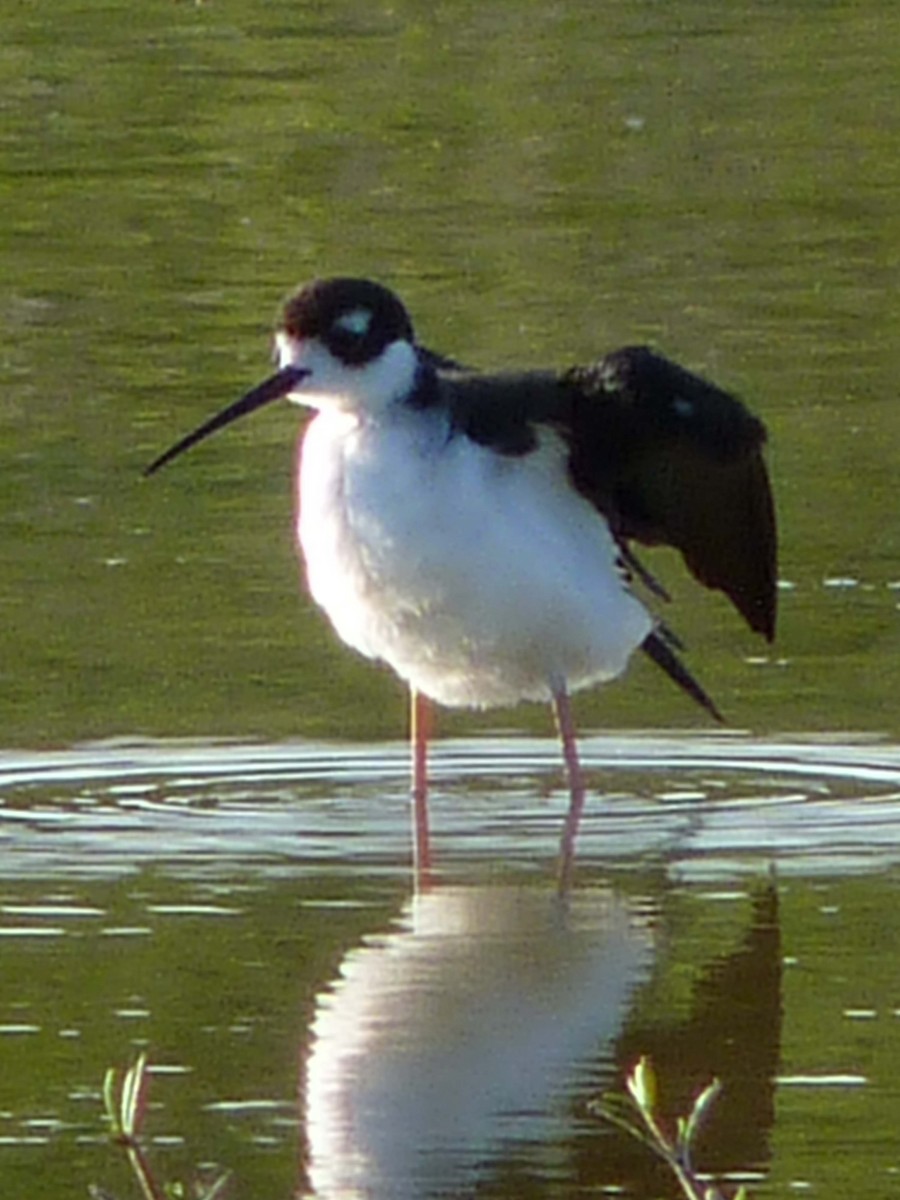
(462, 1033)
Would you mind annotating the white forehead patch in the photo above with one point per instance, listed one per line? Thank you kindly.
(357, 321)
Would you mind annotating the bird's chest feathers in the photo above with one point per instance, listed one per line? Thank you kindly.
(366, 500)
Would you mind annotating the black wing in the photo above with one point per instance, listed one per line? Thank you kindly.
(440, 362)
(671, 459)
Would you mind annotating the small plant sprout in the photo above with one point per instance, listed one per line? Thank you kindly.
(125, 1097)
(676, 1151)
(126, 1104)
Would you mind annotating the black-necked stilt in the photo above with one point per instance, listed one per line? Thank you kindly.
(473, 530)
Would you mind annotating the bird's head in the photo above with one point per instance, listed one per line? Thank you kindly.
(341, 343)
(350, 342)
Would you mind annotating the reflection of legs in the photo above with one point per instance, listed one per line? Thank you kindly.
(563, 710)
(420, 727)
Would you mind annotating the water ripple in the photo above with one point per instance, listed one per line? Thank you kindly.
(707, 805)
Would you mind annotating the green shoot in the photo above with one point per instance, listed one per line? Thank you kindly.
(637, 1115)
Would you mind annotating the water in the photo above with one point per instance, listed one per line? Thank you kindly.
(245, 913)
(203, 797)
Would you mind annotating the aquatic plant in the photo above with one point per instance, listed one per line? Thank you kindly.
(125, 1098)
(637, 1114)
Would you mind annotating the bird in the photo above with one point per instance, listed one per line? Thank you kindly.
(476, 530)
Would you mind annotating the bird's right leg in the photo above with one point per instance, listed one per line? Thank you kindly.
(420, 728)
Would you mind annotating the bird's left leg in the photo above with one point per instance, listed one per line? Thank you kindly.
(420, 728)
(563, 711)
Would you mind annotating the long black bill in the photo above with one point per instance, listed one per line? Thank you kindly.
(273, 388)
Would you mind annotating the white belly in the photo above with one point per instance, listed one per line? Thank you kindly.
(482, 580)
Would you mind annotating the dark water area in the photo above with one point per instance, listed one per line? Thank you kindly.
(203, 810)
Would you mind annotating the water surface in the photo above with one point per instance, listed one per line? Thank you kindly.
(245, 913)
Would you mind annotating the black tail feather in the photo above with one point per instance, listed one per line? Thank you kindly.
(657, 647)
(669, 636)
(636, 567)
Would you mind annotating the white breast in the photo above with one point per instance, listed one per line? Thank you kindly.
(481, 579)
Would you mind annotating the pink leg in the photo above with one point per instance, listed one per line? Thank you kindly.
(420, 727)
(564, 723)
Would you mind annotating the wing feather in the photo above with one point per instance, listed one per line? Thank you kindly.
(671, 459)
